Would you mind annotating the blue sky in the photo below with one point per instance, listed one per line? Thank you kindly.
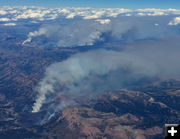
(132, 4)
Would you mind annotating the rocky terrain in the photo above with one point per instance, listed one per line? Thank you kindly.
(138, 112)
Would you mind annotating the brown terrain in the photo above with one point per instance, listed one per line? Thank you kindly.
(136, 113)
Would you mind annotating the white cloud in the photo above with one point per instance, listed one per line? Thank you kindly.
(128, 14)
(3, 12)
(4, 19)
(95, 16)
(9, 24)
(156, 24)
(141, 14)
(71, 15)
(157, 13)
(175, 21)
(41, 14)
(103, 21)
(32, 14)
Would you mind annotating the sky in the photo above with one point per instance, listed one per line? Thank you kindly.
(132, 4)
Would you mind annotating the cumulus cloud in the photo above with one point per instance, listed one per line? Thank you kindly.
(9, 24)
(3, 12)
(175, 21)
(153, 12)
(103, 21)
(4, 19)
(95, 15)
(44, 14)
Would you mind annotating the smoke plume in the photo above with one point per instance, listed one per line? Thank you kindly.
(92, 72)
(155, 56)
(89, 32)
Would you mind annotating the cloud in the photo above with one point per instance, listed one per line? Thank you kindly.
(3, 12)
(95, 15)
(103, 21)
(38, 14)
(45, 14)
(9, 24)
(175, 21)
(4, 19)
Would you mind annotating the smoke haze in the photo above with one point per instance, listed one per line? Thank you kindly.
(89, 32)
(150, 51)
(102, 70)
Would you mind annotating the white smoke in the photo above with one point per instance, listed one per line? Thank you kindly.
(74, 34)
(88, 32)
(42, 31)
(92, 72)
(102, 70)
